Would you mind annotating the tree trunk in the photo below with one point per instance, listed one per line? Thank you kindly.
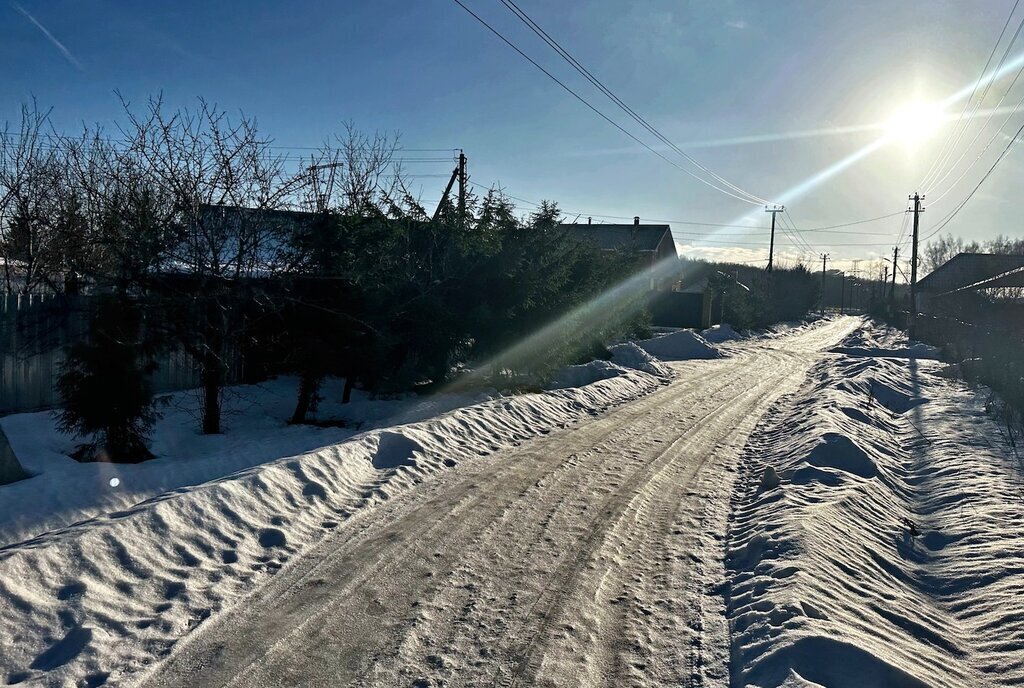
(307, 388)
(212, 383)
(346, 394)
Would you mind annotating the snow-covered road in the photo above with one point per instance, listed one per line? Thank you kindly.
(588, 556)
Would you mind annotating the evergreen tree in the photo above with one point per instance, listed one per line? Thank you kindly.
(106, 386)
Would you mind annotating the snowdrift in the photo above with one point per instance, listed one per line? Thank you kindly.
(629, 355)
(679, 346)
(878, 539)
(885, 342)
(585, 374)
(96, 601)
(716, 334)
(62, 491)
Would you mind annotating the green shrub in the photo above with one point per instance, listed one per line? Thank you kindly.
(107, 389)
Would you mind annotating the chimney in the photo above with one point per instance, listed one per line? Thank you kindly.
(636, 220)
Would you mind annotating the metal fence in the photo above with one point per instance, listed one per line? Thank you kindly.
(35, 333)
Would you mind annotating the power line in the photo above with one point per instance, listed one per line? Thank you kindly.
(980, 155)
(944, 151)
(823, 229)
(62, 138)
(946, 220)
(600, 114)
(537, 29)
(903, 228)
(797, 233)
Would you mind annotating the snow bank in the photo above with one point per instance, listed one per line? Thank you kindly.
(716, 334)
(62, 491)
(96, 601)
(629, 355)
(889, 551)
(585, 374)
(679, 346)
(885, 342)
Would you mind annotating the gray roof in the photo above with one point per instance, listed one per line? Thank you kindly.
(628, 237)
(966, 269)
(1010, 278)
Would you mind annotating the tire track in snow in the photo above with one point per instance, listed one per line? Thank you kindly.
(437, 584)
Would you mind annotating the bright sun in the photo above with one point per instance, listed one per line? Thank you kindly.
(914, 122)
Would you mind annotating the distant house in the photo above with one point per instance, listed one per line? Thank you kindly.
(653, 244)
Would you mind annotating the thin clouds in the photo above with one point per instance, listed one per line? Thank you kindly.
(60, 46)
(737, 24)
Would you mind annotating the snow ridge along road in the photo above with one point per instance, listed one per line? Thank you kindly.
(584, 557)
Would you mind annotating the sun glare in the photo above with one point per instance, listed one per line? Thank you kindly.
(914, 122)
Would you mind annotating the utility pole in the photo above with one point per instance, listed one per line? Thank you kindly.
(913, 265)
(459, 173)
(463, 179)
(895, 257)
(774, 210)
(824, 258)
(842, 295)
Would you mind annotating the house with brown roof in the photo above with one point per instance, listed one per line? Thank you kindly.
(652, 243)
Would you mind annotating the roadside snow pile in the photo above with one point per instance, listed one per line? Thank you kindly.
(716, 334)
(625, 357)
(96, 601)
(681, 345)
(62, 491)
(879, 539)
(585, 374)
(629, 355)
(887, 342)
(789, 327)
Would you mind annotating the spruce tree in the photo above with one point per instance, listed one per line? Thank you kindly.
(107, 388)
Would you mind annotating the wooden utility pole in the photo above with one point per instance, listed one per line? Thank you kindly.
(842, 295)
(913, 264)
(774, 210)
(895, 257)
(463, 179)
(824, 258)
(459, 173)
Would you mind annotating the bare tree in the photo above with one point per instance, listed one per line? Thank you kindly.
(29, 203)
(218, 185)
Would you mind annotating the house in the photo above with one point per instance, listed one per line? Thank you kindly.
(652, 243)
(964, 274)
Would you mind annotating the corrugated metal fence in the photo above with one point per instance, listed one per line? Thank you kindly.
(35, 332)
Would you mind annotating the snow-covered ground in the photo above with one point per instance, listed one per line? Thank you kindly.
(624, 528)
(105, 564)
(63, 491)
(878, 535)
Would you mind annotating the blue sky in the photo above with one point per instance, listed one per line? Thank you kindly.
(699, 71)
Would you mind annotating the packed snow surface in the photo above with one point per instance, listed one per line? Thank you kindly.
(680, 345)
(878, 535)
(869, 533)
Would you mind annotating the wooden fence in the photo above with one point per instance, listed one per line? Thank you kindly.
(35, 333)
